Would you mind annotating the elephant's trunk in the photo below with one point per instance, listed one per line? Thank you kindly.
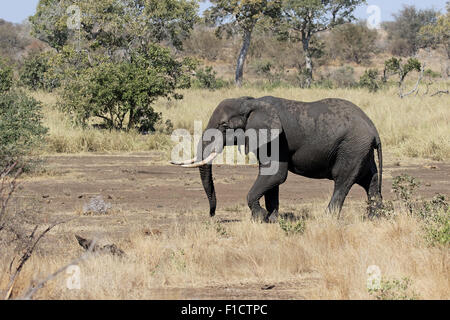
(208, 185)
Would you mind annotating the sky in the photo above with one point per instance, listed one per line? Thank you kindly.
(18, 10)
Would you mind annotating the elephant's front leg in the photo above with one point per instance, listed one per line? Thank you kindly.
(266, 185)
(272, 199)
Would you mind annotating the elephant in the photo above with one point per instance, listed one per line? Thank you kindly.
(327, 139)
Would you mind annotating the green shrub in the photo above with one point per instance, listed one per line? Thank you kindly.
(404, 187)
(21, 130)
(206, 78)
(6, 77)
(436, 215)
(394, 289)
(33, 72)
(292, 227)
(370, 80)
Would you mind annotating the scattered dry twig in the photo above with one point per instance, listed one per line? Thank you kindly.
(26, 255)
(32, 291)
(440, 92)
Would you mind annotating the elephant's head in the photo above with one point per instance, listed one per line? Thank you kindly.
(232, 115)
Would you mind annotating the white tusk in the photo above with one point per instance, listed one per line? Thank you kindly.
(211, 157)
(183, 162)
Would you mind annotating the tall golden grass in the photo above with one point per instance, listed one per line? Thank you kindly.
(328, 261)
(417, 126)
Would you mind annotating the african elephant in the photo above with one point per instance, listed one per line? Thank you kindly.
(328, 139)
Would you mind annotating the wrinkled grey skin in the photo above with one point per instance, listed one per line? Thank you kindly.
(328, 139)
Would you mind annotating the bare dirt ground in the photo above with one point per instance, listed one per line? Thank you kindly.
(145, 192)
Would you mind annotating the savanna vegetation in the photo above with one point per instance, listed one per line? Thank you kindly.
(120, 76)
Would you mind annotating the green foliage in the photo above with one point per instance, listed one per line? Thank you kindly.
(436, 215)
(241, 14)
(302, 19)
(21, 130)
(121, 93)
(33, 73)
(292, 227)
(206, 78)
(395, 66)
(404, 187)
(6, 77)
(432, 35)
(394, 289)
(432, 74)
(370, 80)
(111, 25)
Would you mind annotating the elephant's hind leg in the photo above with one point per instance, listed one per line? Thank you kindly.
(368, 179)
(341, 190)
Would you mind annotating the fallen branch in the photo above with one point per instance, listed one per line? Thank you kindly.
(32, 291)
(109, 248)
(440, 92)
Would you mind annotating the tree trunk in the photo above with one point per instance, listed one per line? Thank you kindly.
(308, 60)
(242, 56)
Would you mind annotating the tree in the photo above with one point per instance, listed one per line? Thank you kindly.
(353, 42)
(438, 33)
(121, 93)
(395, 66)
(241, 16)
(403, 32)
(113, 25)
(302, 19)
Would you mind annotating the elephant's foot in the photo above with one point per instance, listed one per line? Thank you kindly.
(273, 218)
(259, 214)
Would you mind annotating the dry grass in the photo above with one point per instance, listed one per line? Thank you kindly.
(413, 127)
(333, 254)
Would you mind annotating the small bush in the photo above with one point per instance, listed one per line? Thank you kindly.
(21, 130)
(404, 187)
(370, 80)
(6, 77)
(436, 215)
(206, 78)
(394, 289)
(291, 227)
(33, 73)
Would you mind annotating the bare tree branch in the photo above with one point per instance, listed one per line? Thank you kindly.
(32, 291)
(27, 254)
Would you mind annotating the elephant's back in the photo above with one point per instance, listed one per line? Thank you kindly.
(334, 114)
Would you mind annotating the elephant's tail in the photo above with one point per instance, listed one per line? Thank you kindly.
(380, 161)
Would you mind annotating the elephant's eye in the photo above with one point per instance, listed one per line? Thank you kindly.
(224, 125)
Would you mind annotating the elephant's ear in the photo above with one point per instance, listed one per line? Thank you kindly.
(262, 116)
